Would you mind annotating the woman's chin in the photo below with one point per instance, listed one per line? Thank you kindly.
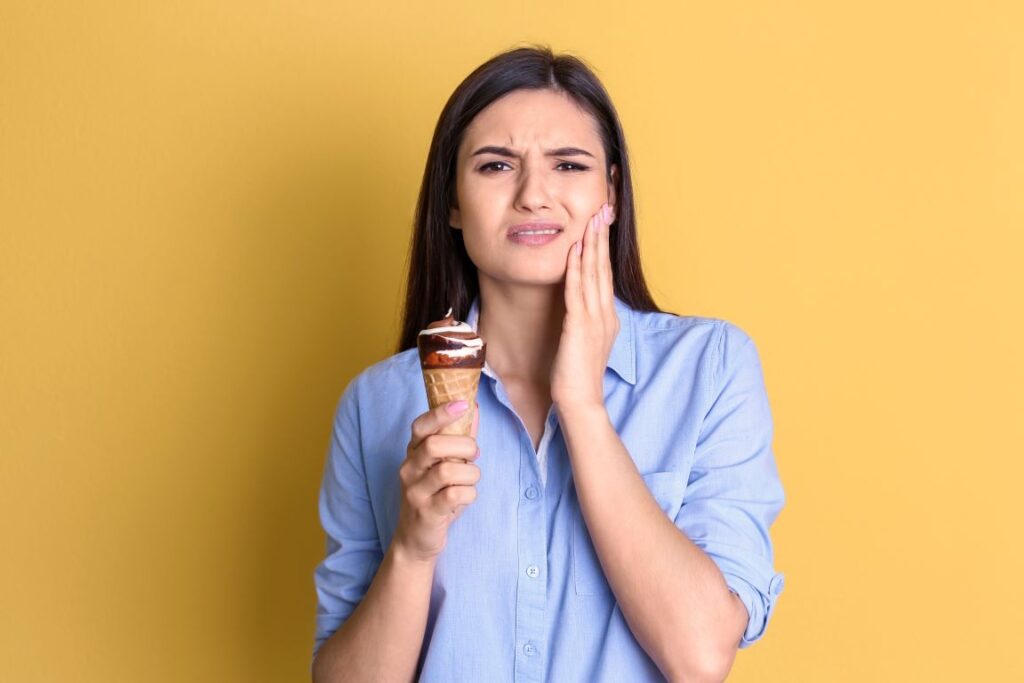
(534, 278)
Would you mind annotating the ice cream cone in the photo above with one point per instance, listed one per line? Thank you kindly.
(451, 359)
(451, 384)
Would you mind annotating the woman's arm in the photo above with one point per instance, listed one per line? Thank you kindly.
(381, 640)
(673, 596)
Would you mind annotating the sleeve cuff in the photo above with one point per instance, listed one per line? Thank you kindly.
(759, 603)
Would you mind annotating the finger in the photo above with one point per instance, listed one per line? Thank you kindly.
(437, 448)
(446, 502)
(450, 474)
(442, 505)
(444, 475)
(433, 420)
(573, 297)
(589, 272)
(444, 486)
(604, 271)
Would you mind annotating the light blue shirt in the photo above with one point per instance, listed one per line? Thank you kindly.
(518, 592)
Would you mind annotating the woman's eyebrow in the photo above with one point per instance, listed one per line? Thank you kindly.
(560, 152)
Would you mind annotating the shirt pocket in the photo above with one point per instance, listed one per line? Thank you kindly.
(667, 488)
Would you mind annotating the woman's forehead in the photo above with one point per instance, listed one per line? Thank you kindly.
(527, 119)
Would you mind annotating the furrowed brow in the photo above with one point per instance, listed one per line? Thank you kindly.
(506, 152)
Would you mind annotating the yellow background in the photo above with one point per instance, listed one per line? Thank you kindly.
(201, 203)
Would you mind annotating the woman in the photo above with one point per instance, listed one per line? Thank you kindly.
(611, 521)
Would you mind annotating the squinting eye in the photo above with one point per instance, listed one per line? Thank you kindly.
(489, 166)
(576, 168)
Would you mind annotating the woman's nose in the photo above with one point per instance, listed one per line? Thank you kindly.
(533, 191)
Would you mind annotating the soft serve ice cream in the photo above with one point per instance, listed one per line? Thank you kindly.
(451, 359)
(448, 343)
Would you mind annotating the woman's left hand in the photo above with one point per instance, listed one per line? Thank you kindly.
(590, 325)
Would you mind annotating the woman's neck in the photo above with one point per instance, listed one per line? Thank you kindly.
(522, 326)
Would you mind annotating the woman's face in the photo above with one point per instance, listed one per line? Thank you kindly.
(532, 156)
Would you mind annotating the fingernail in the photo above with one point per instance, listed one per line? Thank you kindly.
(607, 210)
(579, 248)
(456, 407)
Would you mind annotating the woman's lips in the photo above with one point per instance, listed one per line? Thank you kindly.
(534, 234)
(533, 240)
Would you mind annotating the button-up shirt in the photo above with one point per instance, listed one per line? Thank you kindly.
(518, 592)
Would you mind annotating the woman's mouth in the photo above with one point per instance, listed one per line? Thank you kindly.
(534, 235)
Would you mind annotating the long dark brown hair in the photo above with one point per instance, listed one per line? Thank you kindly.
(441, 273)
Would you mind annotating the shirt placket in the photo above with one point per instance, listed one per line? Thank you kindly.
(531, 532)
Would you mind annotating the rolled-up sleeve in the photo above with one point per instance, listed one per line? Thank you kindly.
(353, 550)
(734, 492)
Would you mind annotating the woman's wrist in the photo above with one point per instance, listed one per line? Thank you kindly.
(402, 558)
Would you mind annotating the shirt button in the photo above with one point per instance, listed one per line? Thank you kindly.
(531, 492)
(529, 649)
(532, 571)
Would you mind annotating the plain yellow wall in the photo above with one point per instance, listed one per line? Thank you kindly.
(202, 202)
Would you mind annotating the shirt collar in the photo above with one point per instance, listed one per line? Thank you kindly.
(622, 358)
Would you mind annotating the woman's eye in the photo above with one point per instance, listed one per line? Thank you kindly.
(493, 166)
(487, 167)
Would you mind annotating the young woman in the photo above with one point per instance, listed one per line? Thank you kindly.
(611, 523)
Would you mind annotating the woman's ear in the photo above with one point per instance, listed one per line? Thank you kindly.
(454, 219)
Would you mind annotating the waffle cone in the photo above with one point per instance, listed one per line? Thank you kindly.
(451, 384)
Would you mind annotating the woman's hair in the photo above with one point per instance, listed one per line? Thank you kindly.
(441, 273)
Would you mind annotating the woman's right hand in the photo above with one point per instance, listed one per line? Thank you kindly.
(438, 481)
